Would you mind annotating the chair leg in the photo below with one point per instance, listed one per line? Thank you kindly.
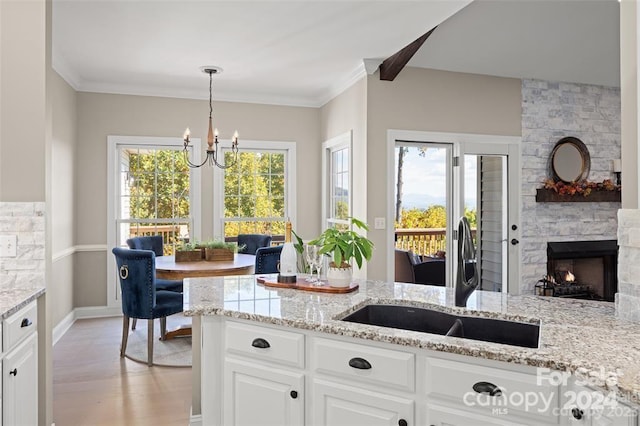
(150, 342)
(125, 335)
(133, 323)
(163, 328)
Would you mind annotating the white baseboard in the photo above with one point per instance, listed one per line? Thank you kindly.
(79, 313)
(195, 420)
(98, 312)
(63, 326)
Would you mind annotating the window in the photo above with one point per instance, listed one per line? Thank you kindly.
(257, 192)
(337, 188)
(150, 192)
(153, 195)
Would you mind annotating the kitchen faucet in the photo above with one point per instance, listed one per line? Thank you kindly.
(466, 256)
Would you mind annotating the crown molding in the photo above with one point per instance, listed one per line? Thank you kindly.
(336, 89)
(61, 66)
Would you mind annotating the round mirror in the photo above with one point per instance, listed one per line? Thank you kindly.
(570, 160)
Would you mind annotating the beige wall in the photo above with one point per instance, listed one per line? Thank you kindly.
(430, 100)
(348, 112)
(62, 196)
(22, 106)
(629, 103)
(101, 115)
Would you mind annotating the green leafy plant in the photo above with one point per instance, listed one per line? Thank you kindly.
(217, 244)
(188, 246)
(345, 244)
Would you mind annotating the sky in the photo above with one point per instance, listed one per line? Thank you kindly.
(424, 178)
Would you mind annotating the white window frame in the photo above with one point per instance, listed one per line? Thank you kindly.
(114, 143)
(279, 147)
(337, 143)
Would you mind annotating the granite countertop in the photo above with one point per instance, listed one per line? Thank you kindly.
(577, 336)
(12, 299)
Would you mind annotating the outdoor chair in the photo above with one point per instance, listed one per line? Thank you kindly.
(404, 266)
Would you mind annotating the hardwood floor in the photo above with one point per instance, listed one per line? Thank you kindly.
(92, 385)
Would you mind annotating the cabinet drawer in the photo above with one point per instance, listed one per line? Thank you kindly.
(520, 393)
(19, 325)
(384, 367)
(267, 344)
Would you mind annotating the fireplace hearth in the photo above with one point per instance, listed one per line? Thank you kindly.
(592, 264)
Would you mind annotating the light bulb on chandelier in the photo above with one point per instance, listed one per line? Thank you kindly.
(212, 136)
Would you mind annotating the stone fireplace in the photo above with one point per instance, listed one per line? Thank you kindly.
(587, 263)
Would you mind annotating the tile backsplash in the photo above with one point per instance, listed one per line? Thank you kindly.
(25, 220)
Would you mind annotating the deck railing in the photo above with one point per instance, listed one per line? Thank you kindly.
(423, 241)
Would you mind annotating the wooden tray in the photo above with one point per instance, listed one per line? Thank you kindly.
(305, 285)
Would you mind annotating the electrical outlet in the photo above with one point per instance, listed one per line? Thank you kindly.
(379, 223)
(8, 245)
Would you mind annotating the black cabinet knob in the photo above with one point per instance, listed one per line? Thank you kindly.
(487, 388)
(260, 343)
(294, 394)
(577, 413)
(26, 322)
(13, 372)
(359, 363)
(514, 227)
(402, 422)
(514, 242)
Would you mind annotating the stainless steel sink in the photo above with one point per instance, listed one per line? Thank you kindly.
(442, 323)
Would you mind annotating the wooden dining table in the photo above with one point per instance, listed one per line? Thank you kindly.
(168, 268)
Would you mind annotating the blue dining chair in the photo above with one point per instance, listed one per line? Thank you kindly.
(140, 297)
(155, 243)
(267, 259)
(252, 242)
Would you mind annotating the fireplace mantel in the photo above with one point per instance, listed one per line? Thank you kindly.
(544, 195)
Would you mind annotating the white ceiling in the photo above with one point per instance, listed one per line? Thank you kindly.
(302, 52)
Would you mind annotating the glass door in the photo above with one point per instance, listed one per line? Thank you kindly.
(438, 183)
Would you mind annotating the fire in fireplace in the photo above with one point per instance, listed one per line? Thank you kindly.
(584, 268)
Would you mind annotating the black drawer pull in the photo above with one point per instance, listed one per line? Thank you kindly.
(259, 342)
(13, 372)
(294, 394)
(402, 422)
(487, 388)
(359, 363)
(25, 322)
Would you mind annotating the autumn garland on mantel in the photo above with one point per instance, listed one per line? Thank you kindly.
(583, 188)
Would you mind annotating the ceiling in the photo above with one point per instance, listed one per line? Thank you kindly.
(303, 52)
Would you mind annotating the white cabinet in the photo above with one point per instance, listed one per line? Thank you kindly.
(447, 416)
(263, 374)
(260, 395)
(20, 368)
(20, 384)
(338, 404)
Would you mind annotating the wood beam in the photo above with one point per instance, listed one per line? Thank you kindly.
(392, 66)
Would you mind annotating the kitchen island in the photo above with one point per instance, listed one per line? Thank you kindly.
(418, 384)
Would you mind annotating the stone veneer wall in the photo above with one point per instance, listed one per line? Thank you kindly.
(551, 111)
(26, 221)
(628, 296)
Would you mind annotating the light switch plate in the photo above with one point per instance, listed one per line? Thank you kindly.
(379, 223)
(8, 245)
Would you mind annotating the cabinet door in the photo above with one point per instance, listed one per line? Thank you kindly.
(445, 416)
(337, 404)
(257, 395)
(20, 384)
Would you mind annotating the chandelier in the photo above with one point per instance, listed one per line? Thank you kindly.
(212, 136)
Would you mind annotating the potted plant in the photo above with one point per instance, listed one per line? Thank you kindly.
(344, 245)
(188, 252)
(216, 250)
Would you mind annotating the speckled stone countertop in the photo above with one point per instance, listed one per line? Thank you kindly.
(12, 299)
(577, 336)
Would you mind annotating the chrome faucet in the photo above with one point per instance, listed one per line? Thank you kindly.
(466, 256)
